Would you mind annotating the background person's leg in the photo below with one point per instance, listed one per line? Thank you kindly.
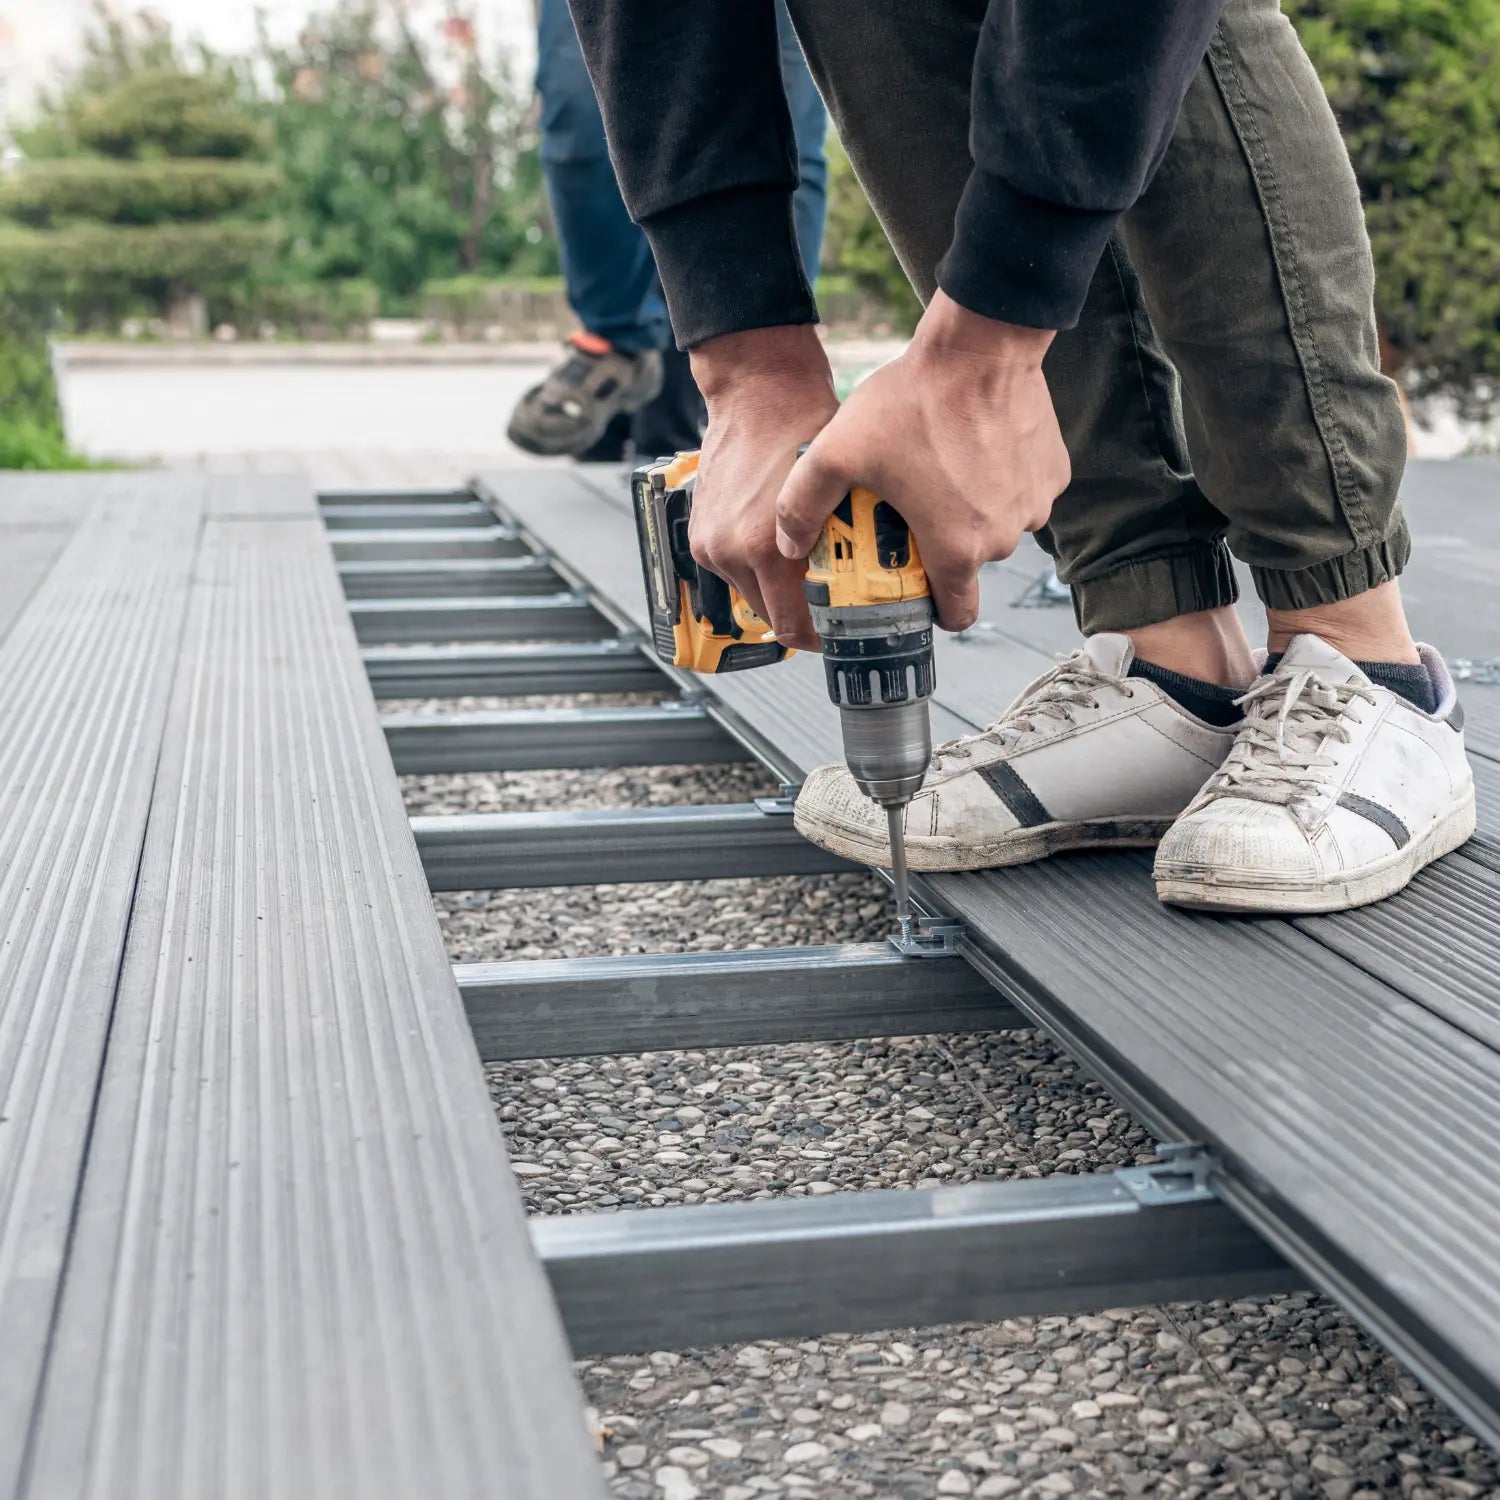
(607, 265)
(1133, 534)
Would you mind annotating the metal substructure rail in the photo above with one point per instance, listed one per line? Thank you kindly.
(672, 1277)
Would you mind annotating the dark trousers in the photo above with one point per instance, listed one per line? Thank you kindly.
(1222, 391)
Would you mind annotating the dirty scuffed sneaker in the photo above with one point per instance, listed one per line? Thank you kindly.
(1087, 757)
(593, 384)
(1336, 793)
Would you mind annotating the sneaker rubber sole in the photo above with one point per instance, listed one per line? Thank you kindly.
(1247, 891)
(945, 855)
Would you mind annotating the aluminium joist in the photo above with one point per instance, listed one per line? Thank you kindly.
(668, 1278)
(382, 517)
(665, 734)
(544, 617)
(448, 578)
(506, 851)
(655, 1002)
(426, 543)
(1352, 1117)
(485, 669)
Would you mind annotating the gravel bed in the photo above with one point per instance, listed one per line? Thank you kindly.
(1282, 1397)
(473, 705)
(548, 791)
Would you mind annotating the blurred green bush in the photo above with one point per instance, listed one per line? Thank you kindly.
(45, 193)
(1416, 88)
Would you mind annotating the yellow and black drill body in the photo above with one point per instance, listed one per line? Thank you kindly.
(871, 607)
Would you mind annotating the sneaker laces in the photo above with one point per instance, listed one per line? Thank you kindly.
(1072, 684)
(1281, 747)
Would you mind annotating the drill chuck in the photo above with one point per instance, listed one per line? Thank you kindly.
(878, 662)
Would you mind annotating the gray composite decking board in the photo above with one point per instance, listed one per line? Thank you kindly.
(38, 513)
(300, 1264)
(85, 675)
(1436, 942)
(1356, 1125)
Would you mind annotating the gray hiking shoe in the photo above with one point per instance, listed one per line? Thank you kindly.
(568, 412)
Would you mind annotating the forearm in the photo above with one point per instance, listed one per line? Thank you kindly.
(703, 148)
(1074, 106)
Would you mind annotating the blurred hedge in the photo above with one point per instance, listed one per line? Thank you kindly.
(470, 304)
(167, 112)
(217, 251)
(321, 309)
(132, 192)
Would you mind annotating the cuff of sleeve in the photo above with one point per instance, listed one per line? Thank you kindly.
(729, 262)
(1020, 259)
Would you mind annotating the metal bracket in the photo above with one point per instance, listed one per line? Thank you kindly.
(778, 807)
(930, 937)
(1180, 1177)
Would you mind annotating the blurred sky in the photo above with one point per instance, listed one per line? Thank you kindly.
(38, 37)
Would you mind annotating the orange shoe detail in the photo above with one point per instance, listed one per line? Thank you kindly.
(590, 343)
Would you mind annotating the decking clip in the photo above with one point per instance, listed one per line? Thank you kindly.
(1180, 1177)
(779, 807)
(931, 937)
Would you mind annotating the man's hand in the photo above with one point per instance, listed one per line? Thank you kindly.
(958, 434)
(768, 391)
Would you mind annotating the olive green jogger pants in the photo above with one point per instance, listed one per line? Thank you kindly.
(1222, 391)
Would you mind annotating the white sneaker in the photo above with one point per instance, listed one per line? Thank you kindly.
(1087, 757)
(1336, 793)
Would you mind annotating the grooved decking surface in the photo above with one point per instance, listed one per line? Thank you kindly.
(258, 1235)
(1346, 1069)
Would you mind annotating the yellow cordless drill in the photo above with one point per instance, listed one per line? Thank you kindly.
(870, 604)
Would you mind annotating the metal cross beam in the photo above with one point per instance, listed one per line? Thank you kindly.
(486, 670)
(361, 516)
(665, 734)
(850, 1262)
(586, 1007)
(568, 617)
(449, 578)
(506, 851)
(327, 498)
(427, 544)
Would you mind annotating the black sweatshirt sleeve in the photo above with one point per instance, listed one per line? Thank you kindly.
(1074, 104)
(702, 144)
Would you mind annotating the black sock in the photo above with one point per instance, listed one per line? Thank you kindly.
(1408, 680)
(1209, 701)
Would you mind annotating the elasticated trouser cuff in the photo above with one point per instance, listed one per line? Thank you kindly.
(1338, 577)
(1152, 589)
(1201, 576)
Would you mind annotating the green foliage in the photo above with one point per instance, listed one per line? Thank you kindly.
(133, 192)
(403, 162)
(320, 309)
(28, 444)
(471, 303)
(1416, 87)
(31, 435)
(141, 189)
(856, 249)
(154, 256)
(165, 111)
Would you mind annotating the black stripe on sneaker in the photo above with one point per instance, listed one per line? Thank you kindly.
(1023, 803)
(1381, 817)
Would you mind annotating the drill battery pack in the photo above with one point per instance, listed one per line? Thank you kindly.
(698, 621)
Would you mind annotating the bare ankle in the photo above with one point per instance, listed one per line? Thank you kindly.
(1209, 645)
(1367, 627)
